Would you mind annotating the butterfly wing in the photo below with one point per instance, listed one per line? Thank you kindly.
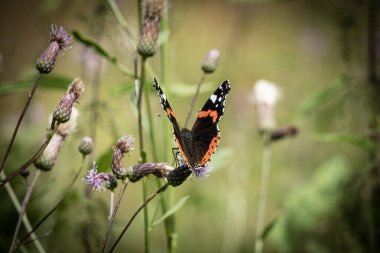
(205, 131)
(169, 112)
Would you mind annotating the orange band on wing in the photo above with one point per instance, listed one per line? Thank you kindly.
(209, 113)
(210, 151)
(169, 112)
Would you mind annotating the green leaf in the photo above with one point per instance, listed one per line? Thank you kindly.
(187, 90)
(123, 88)
(268, 228)
(222, 158)
(104, 161)
(356, 140)
(47, 82)
(163, 37)
(172, 210)
(102, 52)
(312, 103)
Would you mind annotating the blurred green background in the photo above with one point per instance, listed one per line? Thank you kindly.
(323, 193)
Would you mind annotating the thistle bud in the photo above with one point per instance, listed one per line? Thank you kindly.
(138, 171)
(265, 96)
(281, 133)
(123, 146)
(66, 128)
(48, 158)
(211, 61)
(177, 176)
(100, 181)
(85, 146)
(151, 28)
(63, 111)
(59, 39)
(25, 173)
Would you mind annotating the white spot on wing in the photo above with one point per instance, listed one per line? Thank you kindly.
(213, 98)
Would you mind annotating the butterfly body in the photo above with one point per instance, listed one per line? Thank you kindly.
(198, 144)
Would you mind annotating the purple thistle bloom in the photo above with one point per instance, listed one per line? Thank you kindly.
(99, 181)
(201, 172)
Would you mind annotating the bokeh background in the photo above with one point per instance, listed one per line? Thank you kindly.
(323, 191)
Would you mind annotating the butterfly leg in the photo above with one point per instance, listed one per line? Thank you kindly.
(176, 153)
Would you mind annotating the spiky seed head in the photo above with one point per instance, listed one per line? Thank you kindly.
(123, 146)
(179, 175)
(48, 158)
(211, 61)
(60, 36)
(85, 146)
(59, 39)
(45, 63)
(151, 28)
(63, 111)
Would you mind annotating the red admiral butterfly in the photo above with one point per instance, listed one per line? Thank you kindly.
(198, 145)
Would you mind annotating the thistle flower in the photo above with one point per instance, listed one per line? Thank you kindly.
(265, 96)
(151, 28)
(280, 133)
(177, 176)
(59, 39)
(63, 111)
(85, 146)
(100, 181)
(138, 171)
(48, 158)
(123, 146)
(202, 172)
(211, 61)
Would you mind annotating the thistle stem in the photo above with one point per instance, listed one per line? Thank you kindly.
(56, 206)
(25, 219)
(23, 209)
(31, 160)
(30, 96)
(267, 150)
(112, 218)
(142, 152)
(194, 99)
(162, 189)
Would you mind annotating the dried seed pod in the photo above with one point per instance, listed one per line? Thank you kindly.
(179, 175)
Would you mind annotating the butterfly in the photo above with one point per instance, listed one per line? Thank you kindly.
(198, 144)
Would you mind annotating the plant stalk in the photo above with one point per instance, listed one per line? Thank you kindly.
(23, 209)
(162, 189)
(30, 96)
(265, 169)
(112, 218)
(194, 99)
(56, 205)
(25, 219)
(31, 160)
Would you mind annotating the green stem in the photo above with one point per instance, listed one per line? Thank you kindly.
(23, 209)
(162, 189)
(194, 99)
(170, 222)
(25, 219)
(30, 96)
(122, 21)
(31, 160)
(267, 150)
(143, 154)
